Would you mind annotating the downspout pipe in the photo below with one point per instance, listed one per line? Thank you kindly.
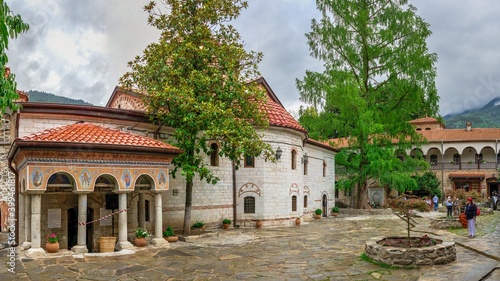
(442, 170)
(234, 194)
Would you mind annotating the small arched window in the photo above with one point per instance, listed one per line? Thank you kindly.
(324, 168)
(249, 205)
(294, 160)
(294, 203)
(434, 159)
(214, 154)
(456, 159)
(305, 201)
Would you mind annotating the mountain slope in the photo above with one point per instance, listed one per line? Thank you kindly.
(486, 117)
(38, 96)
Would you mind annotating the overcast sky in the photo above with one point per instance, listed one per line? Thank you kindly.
(80, 49)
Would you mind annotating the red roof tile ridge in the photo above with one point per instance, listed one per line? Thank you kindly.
(82, 132)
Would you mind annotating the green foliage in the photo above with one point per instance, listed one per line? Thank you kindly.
(198, 224)
(196, 80)
(169, 231)
(428, 184)
(318, 211)
(53, 238)
(378, 76)
(226, 221)
(335, 209)
(10, 26)
(141, 233)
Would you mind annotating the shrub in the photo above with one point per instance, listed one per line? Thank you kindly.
(141, 233)
(198, 224)
(53, 238)
(335, 209)
(318, 211)
(226, 221)
(169, 231)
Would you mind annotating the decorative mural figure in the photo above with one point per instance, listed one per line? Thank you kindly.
(162, 179)
(85, 178)
(127, 178)
(37, 177)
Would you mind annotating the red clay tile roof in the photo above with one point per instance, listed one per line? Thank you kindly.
(278, 116)
(460, 135)
(466, 175)
(424, 120)
(89, 133)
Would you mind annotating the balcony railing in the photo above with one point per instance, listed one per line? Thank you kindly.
(465, 166)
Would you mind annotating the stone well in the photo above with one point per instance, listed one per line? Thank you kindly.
(437, 254)
(444, 223)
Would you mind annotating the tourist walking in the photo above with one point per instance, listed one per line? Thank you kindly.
(435, 200)
(470, 215)
(449, 208)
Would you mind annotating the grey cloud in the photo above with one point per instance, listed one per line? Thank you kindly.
(464, 38)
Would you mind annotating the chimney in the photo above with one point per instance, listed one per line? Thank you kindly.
(469, 126)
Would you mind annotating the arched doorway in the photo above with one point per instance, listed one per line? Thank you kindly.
(325, 205)
(73, 228)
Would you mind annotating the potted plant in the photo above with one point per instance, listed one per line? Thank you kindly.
(140, 237)
(297, 220)
(198, 225)
(335, 210)
(226, 223)
(318, 213)
(52, 245)
(168, 234)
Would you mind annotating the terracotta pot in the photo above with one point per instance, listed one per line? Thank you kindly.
(140, 242)
(334, 214)
(297, 221)
(258, 224)
(318, 217)
(172, 239)
(52, 247)
(226, 226)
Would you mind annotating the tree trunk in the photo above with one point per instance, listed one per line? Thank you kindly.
(187, 210)
(362, 196)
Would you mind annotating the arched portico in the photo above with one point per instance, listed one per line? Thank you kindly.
(84, 178)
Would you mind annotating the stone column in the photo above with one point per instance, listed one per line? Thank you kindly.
(123, 243)
(27, 222)
(141, 211)
(36, 230)
(81, 246)
(158, 235)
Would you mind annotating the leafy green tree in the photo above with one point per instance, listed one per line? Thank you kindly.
(378, 76)
(196, 80)
(10, 26)
(428, 184)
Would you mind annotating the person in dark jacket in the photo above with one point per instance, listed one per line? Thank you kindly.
(470, 214)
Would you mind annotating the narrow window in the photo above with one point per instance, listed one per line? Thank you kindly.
(146, 210)
(294, 160)
(294, 203)
(305, 166)
(249, 161)
(434, 160)
(305, 201)
(324, 168)
(214, 154)
(249, 205)
(479, 158)
(456, 159)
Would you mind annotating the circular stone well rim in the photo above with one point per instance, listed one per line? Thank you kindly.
(443, 253)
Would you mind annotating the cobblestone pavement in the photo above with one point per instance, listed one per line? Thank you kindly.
(326, 249)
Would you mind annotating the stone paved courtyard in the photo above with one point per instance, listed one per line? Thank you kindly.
(327, 249)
